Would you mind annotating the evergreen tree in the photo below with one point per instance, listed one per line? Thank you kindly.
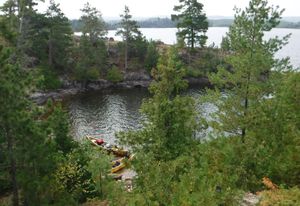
(30, 147)
(9, 9)
(192, 23)
(91, 55)
(93, 25)
(152, 56)
(59, 37)
(129, 32)
(245, 84)
(171, 122)
(60, 129)
(277, 130)
(10, 112)
(25, 37)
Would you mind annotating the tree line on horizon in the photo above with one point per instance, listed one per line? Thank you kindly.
(158, 22)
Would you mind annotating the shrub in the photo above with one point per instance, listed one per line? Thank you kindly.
(114, 75)
(83, 74)
(93, 74)
(152, 56)
(193, 72)
(49, 80)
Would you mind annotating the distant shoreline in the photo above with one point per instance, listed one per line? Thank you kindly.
(168, 23)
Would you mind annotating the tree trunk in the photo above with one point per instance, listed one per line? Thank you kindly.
(126, 54)
(13, 170)
(192, 39)
(246, 105)
(21, 15)
(50, 51)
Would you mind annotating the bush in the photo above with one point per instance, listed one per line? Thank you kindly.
(49, 80)
(114, 75)
(152, 56)
(93, 74)
(83, 74)
(193, 72)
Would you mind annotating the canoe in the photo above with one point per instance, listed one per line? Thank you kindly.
(118, 165)
(107, 147)
(119, 151)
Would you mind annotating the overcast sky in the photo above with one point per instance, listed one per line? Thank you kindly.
(152, 8)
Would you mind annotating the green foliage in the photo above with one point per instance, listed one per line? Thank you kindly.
(192, 23)
(193, 72)
(251, 60)
(257, 103)
(93, 25)
(24, 140)
(49, 79)
(59, 125)
(91, 59)
(129, 27)
(256, 98)
(277, 130)
(132, 37)
(171, 120)
(91, 53)
(152, 56)
(59, 37)
(106, 187)
(72, 177)
(203, 62)
(137, 47)
(32, 146)
(114, 75)
(202, 177)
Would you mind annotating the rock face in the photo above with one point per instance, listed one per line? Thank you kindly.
(137, 76)
(131, 80)
(72, 88)
(42, 97)
(250, 200)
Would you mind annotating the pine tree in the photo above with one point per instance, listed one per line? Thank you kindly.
(129, 32)
(171, 121)
(192, 23)
(59, 37)
(251, 59)
(93, 25)
(11, 114)
(152, 56)
(166, 149)
(92, 52)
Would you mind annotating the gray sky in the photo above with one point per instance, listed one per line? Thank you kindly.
(152, 8)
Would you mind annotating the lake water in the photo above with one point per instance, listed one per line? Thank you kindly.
(215, 34)
(110, 111)
(106, 112)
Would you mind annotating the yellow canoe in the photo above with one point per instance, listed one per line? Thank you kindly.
(118, 165)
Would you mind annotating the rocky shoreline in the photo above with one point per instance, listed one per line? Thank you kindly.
(131, 80)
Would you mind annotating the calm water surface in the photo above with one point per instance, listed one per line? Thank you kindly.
(105, 113)
(111, 111)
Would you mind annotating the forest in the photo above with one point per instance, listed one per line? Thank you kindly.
(253, 149)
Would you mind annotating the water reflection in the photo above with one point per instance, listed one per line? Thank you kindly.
(105, 113)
